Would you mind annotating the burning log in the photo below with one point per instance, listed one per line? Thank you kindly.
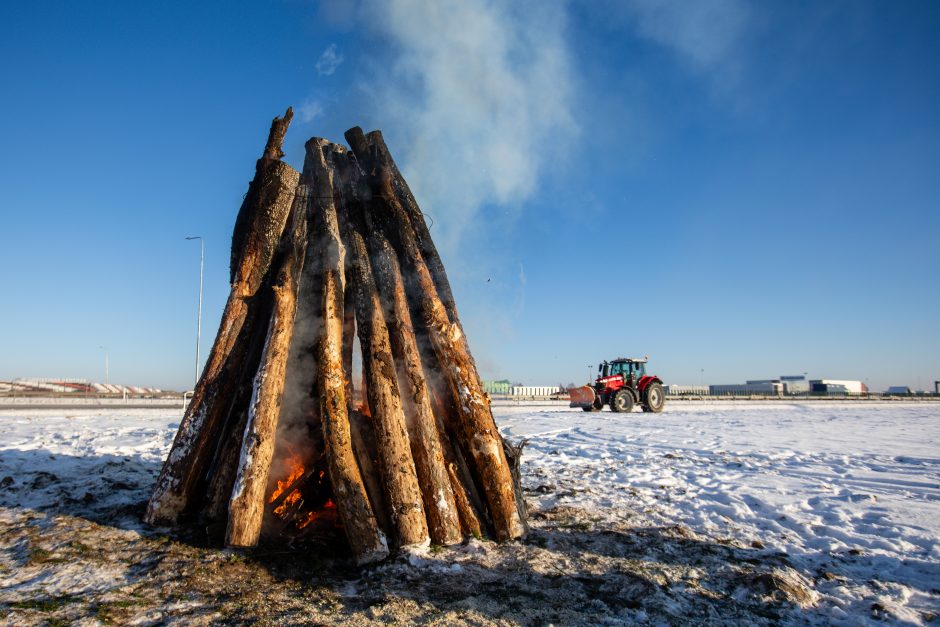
(246, 508)
(258, 228)
(272, 441)
(396, 464)
(366, 539)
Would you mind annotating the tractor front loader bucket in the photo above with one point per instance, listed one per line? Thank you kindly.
(583, 397)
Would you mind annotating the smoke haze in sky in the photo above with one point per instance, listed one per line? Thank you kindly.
(481, 93)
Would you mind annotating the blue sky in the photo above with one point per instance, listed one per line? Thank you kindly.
(738, 189)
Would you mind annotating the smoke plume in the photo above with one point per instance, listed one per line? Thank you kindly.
(477, 94)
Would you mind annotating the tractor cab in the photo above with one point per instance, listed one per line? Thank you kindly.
(624, 367)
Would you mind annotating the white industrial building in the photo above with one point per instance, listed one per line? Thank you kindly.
(783, 386)
(686, 390)
(535, 390)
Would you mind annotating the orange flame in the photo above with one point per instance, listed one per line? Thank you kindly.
(288, 501)
(308, 518)
(297, 469)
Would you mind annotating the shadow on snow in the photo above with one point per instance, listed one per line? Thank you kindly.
(567, 569)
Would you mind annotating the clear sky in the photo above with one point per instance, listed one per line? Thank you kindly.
(738, 189)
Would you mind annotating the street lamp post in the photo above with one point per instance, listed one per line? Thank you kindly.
(202, 255)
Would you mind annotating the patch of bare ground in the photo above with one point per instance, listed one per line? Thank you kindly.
(572, 569)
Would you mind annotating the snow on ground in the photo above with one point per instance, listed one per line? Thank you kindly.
(100, 462)
(710, 512)
(849, 492)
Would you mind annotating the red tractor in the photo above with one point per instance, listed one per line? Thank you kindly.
(621, 383)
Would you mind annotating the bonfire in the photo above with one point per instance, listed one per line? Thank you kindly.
(274, 444)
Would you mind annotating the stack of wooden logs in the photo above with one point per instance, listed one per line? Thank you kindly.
(419, 458)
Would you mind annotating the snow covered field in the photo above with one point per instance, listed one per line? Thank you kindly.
(708, 512)
(851, 493)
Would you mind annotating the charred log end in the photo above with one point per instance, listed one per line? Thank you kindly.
(272, 153)
(273, 149)
(358, 143)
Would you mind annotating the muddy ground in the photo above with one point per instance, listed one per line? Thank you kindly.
(73, 564)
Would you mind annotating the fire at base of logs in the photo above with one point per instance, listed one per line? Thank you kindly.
(281, 440)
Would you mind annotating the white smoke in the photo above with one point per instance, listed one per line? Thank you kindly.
(707, 35)
(329, 61)
(477, 96)
(310, 110)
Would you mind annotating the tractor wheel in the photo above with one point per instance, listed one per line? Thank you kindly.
(622, 401)
(591, 408)
(655, 398)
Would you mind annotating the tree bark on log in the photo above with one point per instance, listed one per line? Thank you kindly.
(366, 450)
(273, 149)
(396, 463)
(469, 522)
(220, 476)
(367, 541)
(447, 425)
(425, 439)
(261, 221)
(246, 508)
(376, 143)
(372, 150)
(477, 427)
(300, 413)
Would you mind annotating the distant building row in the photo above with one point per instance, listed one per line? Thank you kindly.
(784, 386)
(791, 385)
(77, 386)
(505, 388)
